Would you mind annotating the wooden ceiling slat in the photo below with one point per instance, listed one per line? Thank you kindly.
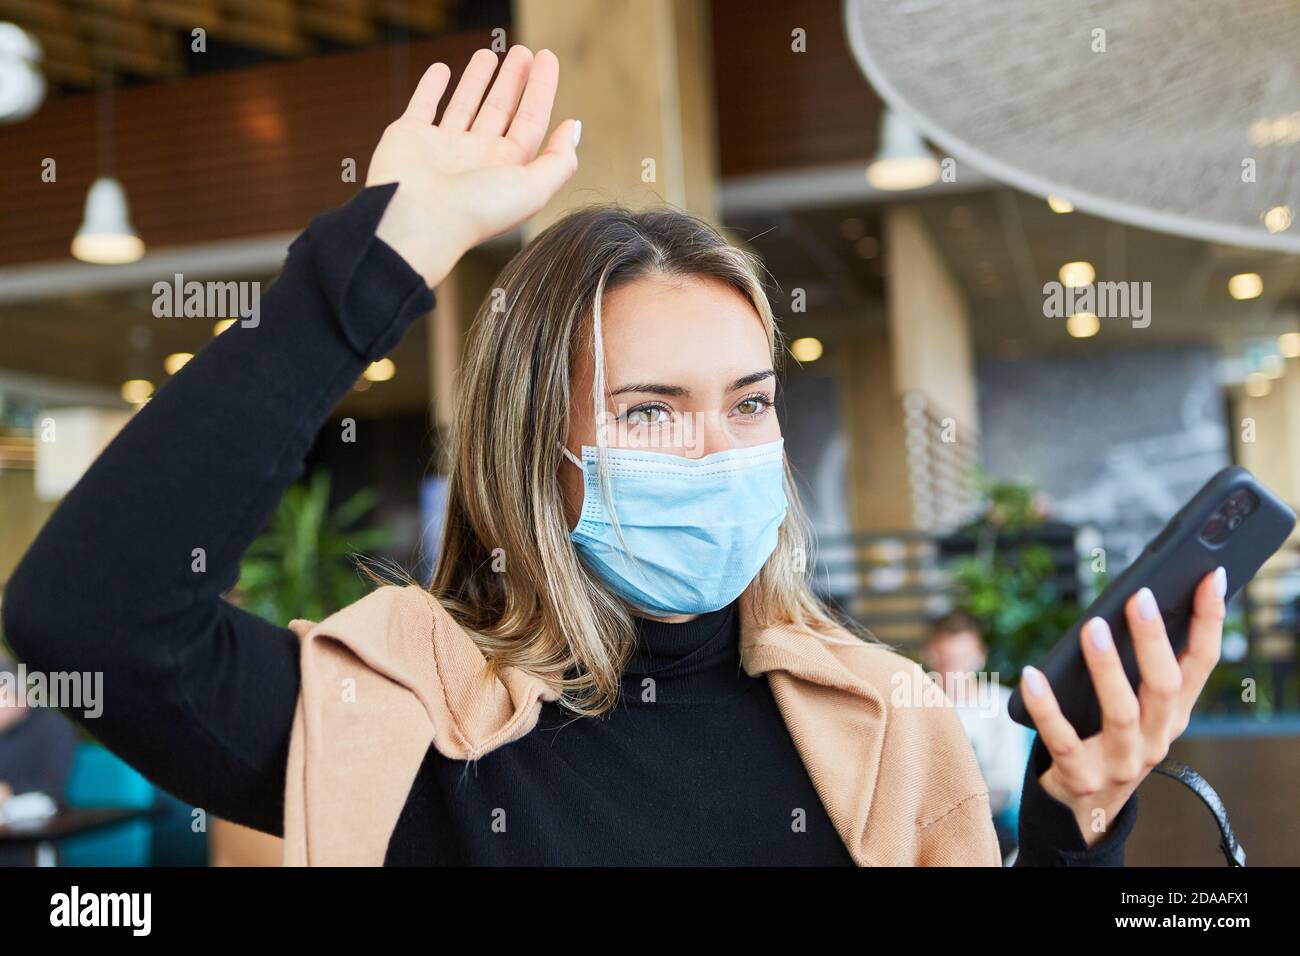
(362, 8)
(285, 41)
(72, 72)
(61, 44)
(147, 37)
(29, 13)
(428, 16)
(281, 13)
(342, 26)
(120, 7)
(103, 27)
(186, 15)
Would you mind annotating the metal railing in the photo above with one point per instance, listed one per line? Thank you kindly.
(893, 583)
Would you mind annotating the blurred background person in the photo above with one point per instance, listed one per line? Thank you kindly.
(955, 652)
(36, 746)
(36, 749)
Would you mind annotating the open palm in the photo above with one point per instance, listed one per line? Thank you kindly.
(477, 173)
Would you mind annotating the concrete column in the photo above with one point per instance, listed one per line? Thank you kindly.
(638, 75)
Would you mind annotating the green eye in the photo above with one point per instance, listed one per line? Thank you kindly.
(753, 405)
(648, 415)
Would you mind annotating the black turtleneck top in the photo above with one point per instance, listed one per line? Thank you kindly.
(694, 766)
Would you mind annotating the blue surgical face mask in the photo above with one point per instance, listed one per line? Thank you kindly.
(699, 529)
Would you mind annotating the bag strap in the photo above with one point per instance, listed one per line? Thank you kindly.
(1233, 851)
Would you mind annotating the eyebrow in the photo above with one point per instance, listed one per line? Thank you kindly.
(678, 390)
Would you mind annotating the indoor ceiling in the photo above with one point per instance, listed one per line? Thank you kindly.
(1002, 247)
(106, 338)
(140, 40)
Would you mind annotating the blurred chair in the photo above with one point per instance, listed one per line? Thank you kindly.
(175, 841)
(99, 779)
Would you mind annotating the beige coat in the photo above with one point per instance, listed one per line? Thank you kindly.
(393, 673)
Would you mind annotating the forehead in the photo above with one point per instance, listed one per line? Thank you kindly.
(691, 326)
(955, 640)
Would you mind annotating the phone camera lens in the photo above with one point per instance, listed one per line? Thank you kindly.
(1216, 530)
(1234, 521)
(1240, 502)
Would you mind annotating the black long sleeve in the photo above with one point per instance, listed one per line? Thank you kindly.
(1049, 834)
(198, 694)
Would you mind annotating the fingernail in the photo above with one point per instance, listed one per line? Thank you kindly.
(1221, 581)
(1147, 605)
(1099, 632)
(1034, 680)
(577, 132)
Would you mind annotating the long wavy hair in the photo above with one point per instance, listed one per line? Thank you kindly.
(507, 571)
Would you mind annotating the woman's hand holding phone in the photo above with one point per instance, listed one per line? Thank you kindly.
(477, 173)
(1095, 777)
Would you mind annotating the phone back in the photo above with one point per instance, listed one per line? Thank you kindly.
(1233, 522)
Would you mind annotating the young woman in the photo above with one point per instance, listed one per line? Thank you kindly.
(661, 685)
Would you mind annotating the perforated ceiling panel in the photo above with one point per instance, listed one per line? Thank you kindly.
(1177, 115)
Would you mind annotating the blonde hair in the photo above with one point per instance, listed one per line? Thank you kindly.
(507, 571)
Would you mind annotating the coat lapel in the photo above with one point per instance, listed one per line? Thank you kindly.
(836, 719)
(383, 679)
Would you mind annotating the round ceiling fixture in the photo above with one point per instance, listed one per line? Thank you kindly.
(1181, 116)
(22, 85)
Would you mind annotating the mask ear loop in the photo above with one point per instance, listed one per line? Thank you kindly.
(573, 458)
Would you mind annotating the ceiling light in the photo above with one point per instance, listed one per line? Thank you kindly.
(22, 89)
(176, 361)
(806, 349)
(1083, 325)
(380, 371)
(136, 391)
(221, 325)
(1277, 219)
(903, 161)
(1059, 204)
(1246, 285)
(1258, 385)
(106, 235)
(1074, 274)
(1288, 344)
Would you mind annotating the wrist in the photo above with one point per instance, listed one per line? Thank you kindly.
(1094, 819)
(430, 244)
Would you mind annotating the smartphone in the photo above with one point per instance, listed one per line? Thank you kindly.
(1233, 522)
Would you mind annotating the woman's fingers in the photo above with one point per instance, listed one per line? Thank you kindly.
(1161, 677)
(1204, 638)
(465, 101)
(552, 169)
(1121, 729)
(423, 106)
(533, 117)
(497, 110)
(1057, 733)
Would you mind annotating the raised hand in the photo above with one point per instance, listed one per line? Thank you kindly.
(1095, 777)
(477, 173)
